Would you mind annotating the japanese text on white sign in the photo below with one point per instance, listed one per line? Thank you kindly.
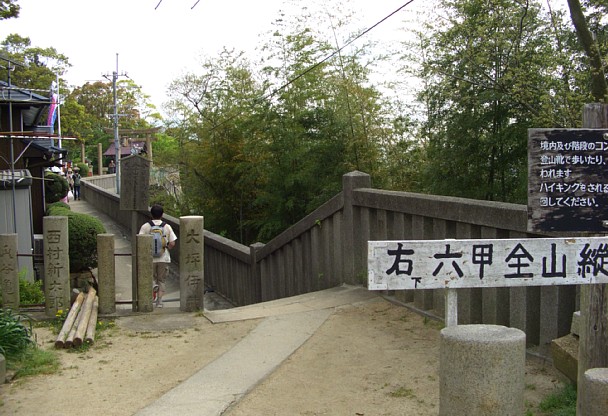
(432, 264)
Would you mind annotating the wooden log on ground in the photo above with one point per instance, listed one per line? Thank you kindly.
(83, 323)
(69, 321)
(69, 341)
(90, 334)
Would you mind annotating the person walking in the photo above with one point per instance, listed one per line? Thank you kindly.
(76, 180)
(164, 240)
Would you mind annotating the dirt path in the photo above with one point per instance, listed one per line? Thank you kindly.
(374, 358)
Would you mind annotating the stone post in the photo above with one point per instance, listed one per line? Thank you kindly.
(145, 273)
(481, 371)
(2, 369)
(594, 395)
(56, 264)
(191, 263)
(256, 273)
(99, 159)
(106, 278)
(352, 263)
(10, 271)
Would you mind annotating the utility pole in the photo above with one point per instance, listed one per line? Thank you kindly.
(117, 145)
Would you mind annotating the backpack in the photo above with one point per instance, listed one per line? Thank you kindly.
(159, 240)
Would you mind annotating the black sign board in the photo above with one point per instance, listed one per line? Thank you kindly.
(134, 183)
(567, 180)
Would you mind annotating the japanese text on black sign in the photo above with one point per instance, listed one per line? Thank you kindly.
(394, 265)
(568, 188)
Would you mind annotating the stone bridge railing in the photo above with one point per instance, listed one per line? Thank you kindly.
(329, 247)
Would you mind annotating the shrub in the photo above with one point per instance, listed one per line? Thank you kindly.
(82, 236)
(15, 336)
(84, 169)
(30, 293)
(55, 187)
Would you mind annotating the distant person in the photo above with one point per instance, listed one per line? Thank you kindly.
(76, 178)
(70, 177)
(164, 240)
(111, 167)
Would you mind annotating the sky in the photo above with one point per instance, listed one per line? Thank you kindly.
(155, 45)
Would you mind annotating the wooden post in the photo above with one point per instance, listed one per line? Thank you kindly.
(87, 310)
(69, 321)
(92, 326)
(593, 340)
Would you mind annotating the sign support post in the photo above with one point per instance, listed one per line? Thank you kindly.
(593, 338)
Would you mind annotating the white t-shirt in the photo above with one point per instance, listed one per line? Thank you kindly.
(167, 231)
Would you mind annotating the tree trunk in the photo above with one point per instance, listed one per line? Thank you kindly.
(599, 89)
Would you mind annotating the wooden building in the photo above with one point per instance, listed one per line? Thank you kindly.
(26, 142)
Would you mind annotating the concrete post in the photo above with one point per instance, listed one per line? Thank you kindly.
(350, 182)
(256, 273)
(481, 371)
(2, 369)
(10, 271)
(191, 263)
(594, 397)
(99, 159)
(145, 272)
(56, 264)
(106, 278)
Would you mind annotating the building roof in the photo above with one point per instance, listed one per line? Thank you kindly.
(31, 105)
(134, 146)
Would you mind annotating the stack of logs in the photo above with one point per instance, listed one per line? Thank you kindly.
(80, 324)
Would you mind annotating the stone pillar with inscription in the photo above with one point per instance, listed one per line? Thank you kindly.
(134, 191)
(9, 267)
(56, 264)
(191, 263)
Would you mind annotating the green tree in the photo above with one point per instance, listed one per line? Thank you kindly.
(218, 112)
(88, 109)
(324, 120)
(37, 67)
(491, 70)
(592, 48)
(9, 9)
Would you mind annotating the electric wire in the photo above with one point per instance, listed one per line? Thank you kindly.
(316, 65)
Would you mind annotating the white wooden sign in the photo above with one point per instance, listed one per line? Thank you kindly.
(438, 264)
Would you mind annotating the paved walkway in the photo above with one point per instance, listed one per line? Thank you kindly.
(285, 325)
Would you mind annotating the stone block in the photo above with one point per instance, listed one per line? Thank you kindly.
(576, 323)
(481, 371)
(594, 400)
(564, 352)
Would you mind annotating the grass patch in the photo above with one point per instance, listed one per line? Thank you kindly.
(402, 392)
(15, 333)
(34, 361)
(433, 323)
(560, 403)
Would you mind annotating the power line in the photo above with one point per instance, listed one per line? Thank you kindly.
(337, 51)
(160, 1)
(311, 68)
